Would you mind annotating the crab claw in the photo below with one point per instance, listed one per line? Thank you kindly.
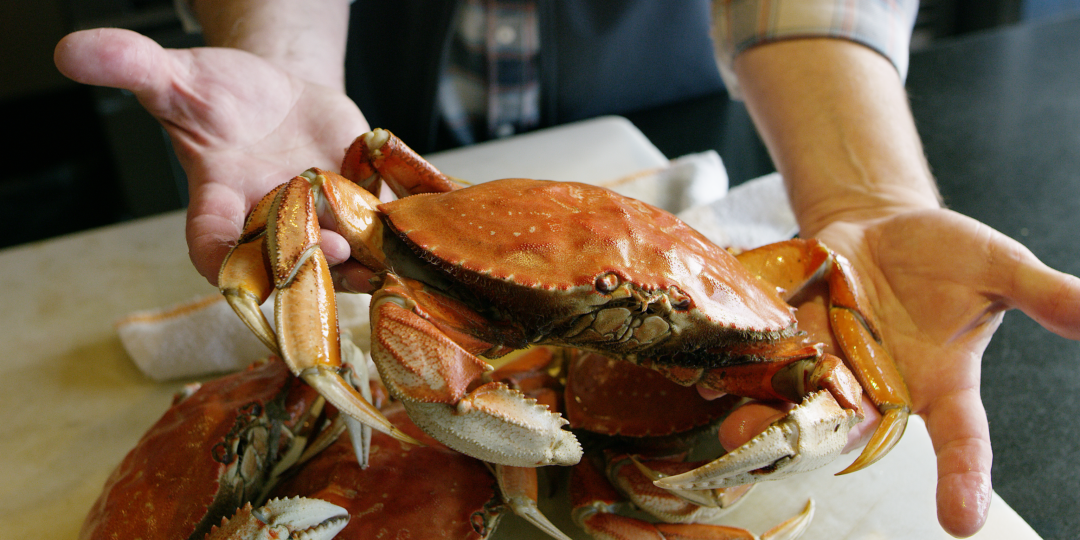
(298, 517)
(641, 488)
(596, 504)
(794, 264)
(520, 492)
(497, 424)
(810, 436)
(442, 386)
(279, 250)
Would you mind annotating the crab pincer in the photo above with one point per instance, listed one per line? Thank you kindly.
(296, 517)
(815, 431)
(279, 251)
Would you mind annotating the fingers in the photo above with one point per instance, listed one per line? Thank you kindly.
(747, 421)
(1007, 273)
(1050, 297)
(961, 436)
(209, 242)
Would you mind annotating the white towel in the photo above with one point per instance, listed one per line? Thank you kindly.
(204, 336)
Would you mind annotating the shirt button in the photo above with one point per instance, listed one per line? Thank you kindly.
(504, 130)
(505, 35)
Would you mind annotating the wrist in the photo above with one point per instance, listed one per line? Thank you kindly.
(306, 39)
(815, 214)
(835, 118)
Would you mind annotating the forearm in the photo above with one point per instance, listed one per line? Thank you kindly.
(835, 118)
(306, 38)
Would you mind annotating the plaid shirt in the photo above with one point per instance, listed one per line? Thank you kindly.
(491, 85)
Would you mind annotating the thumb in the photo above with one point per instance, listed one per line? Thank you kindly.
(116, 58)
(1049, 297)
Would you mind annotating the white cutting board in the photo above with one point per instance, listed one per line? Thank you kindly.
(892, 499)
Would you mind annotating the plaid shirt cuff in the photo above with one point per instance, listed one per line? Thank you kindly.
(883, 25)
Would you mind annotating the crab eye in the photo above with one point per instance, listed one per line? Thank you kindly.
(607, 283)
(678, 298)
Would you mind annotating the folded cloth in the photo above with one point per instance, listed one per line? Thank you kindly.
(689, 181)
(752, 214)
(203, 336)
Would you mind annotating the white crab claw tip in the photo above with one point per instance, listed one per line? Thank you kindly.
(810, 436)
(794, 527)
(376, 138)
(304, 518)
(347, 399)
(533, 515)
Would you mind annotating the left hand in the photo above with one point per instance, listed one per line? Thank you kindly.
(939, 283)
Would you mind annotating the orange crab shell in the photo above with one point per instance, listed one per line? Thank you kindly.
(406, 492)
(509, 240)
(171, 484)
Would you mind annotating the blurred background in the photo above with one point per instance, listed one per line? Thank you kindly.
(85, 157)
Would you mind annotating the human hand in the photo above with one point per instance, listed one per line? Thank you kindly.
(939, 283)
(240, 125)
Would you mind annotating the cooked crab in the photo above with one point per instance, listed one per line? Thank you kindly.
(253, 456)
(219, 447)
(479, 271)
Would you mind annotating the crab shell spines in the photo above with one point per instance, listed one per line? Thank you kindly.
(546, 253)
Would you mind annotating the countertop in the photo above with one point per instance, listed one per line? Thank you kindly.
(78, 403)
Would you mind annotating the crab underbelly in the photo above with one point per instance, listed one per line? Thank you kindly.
(653, 339)
(623, 328)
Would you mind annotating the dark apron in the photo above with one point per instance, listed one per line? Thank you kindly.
(597, 57)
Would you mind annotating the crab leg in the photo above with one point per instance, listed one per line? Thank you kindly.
(595, 502)
(520, 492)
(442, 386)
(244, 278)
(379, 155)
(852, 323)
(305, 310)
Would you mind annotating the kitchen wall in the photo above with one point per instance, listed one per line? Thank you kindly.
(82, 157)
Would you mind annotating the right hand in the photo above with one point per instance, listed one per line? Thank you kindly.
(240, 125)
